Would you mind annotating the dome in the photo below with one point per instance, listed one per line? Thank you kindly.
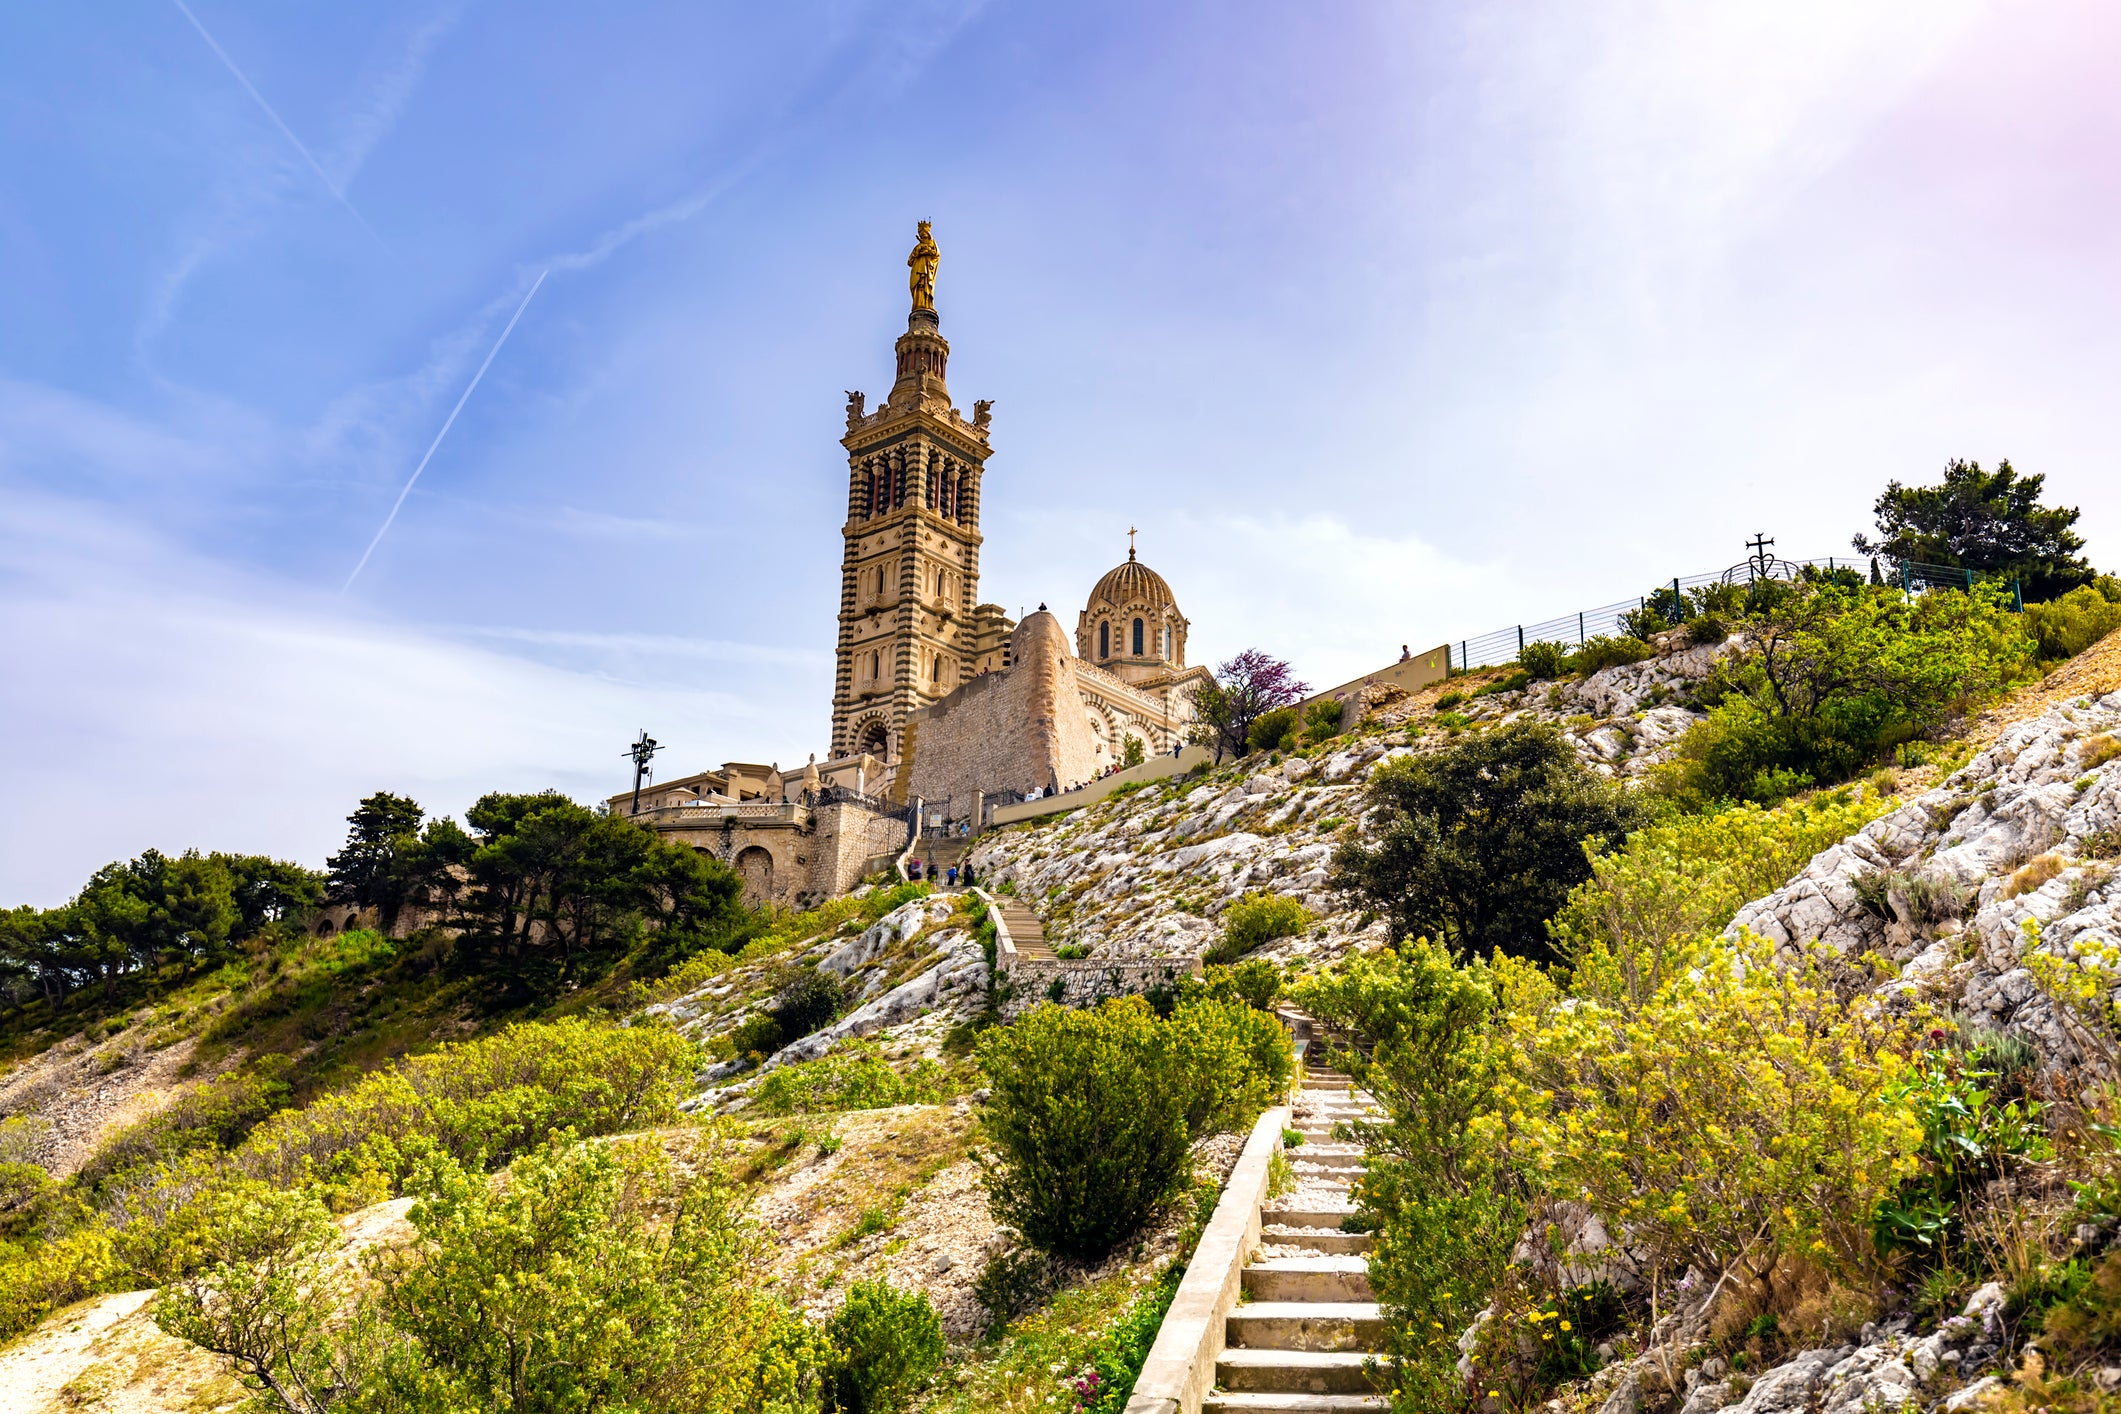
(1132, 626)
(1133, 583)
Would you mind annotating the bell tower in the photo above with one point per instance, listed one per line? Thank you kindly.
(909, 630)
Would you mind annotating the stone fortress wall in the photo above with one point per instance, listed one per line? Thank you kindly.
(1021, 729)
(791, 854)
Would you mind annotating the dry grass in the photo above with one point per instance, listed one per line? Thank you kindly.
(1793, 1305)
(2033, 875)
(2093, 673)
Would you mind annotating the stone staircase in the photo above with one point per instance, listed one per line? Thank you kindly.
(942, 852)
(1301, 1339)
(1025, 930)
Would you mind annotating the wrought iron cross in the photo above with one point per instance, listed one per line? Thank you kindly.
(1759, 546)
(643, 748)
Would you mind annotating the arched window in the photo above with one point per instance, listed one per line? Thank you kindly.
(1104, 640)
(1137, 638)
(938, 584)
(873, 664)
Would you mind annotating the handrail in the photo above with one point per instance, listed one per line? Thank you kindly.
(1180, 1369)
(713, 813)
(1004, 945)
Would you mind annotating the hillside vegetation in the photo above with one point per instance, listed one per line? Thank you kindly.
(1738, 995)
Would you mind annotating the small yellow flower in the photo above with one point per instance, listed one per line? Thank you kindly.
(1565, 1325)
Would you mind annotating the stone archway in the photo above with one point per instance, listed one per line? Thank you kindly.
(873, 738)
(754, 865)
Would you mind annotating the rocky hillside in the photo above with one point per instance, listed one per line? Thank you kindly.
(2013, 853)
(1148, 874)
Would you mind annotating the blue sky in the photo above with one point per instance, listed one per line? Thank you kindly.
(1385, 323)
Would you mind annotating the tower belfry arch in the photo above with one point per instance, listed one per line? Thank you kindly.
(911, 628)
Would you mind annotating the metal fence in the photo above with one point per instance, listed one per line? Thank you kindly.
(1502, 645)
(847, 795)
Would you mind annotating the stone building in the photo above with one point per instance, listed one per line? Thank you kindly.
(937, 697)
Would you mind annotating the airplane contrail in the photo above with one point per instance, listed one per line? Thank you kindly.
(285, 131)
(447, 423)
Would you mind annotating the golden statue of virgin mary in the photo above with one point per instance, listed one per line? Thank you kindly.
(922, 264)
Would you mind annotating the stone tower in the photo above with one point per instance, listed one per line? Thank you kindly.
(912, 628)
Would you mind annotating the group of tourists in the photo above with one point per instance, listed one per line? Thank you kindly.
(950, 877)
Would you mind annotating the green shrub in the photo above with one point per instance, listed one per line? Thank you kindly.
(1086, 1121)
(37, 1278)
(1254, 920)
(1968, 1140)
(1133, 753)
(1232, 1062)
(1449, 700)
(489, 1099)
(1275, 730)
(807, 999)
(598, 1276)
(1322, 720)
(1653, 618)
(1706, 630)
(1543, 660)
(1835, 676)
(851, 1076)
(1509, 682)
(1257, 983)
(2067, 626)
(885, 1344)
(1477, 845)
(756, 1035)
(1106, 1381)
(1072, 952)
(1011, 1283)
(1608, 652)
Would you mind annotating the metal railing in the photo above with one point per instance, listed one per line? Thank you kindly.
(1504, 644)
(874, 804)
(711, 814)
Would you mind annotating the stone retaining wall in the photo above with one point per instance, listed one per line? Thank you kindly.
(1082, 982)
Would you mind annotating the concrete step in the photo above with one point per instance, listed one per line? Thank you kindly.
(1264, 1403)
(1333, 1278)
(1327, 1156)
(1295, 1372)
(1320, 1241)
(1306, 1217)
(1305, 1325)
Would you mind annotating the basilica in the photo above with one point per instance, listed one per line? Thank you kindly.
(914, 640)
(938, 697)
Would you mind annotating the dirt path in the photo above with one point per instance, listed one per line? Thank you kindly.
(87, 1093)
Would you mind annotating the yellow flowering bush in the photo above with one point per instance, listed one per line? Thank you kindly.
(2081, 986)
(1741, 1108)
(1648, 904)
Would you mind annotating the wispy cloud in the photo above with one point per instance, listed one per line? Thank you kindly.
(338, 192)
(237, 209)
(387, 91)
(657, 645)
(447, 423)
(204, 706)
